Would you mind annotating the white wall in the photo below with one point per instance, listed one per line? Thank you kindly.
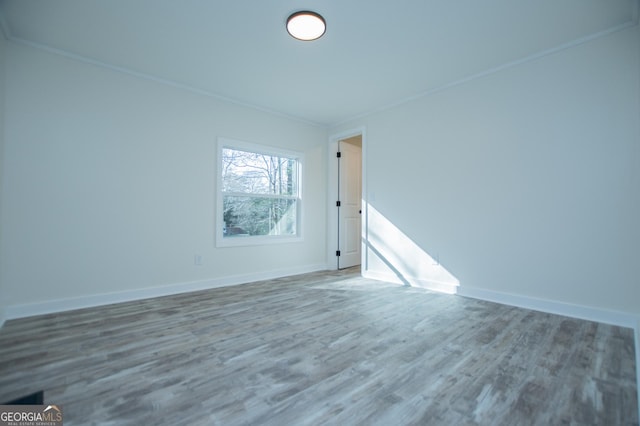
(110, 184)
(3, 48)
(523, 182)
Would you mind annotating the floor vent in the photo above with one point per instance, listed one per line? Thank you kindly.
(33, 399)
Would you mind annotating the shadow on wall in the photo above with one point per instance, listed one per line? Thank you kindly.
(405, 262)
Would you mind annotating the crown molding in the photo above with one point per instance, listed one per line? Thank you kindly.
(157, 79)
(499, 68)
(635, 19)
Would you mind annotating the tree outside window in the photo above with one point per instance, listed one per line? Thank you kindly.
(260, 193)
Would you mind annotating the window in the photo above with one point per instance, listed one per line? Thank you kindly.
(258, 194)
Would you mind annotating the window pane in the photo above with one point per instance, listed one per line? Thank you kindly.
(247, 216)
(255, 173)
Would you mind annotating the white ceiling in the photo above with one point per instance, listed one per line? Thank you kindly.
(373, 55)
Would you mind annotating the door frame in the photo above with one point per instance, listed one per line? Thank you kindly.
(332, 197)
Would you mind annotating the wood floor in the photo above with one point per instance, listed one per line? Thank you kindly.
(321, 348)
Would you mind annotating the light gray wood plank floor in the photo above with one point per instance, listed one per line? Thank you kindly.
(321, 348)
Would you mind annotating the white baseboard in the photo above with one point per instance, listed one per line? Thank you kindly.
(621, 319)
(559, 308)
(553, 307)
(61, 305)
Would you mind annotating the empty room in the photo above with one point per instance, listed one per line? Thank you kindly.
(342, 212)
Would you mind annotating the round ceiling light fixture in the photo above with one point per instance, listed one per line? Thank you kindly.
(306, 25)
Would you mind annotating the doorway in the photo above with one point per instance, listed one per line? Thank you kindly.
(349, 203)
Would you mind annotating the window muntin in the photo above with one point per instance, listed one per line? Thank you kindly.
(259, 194)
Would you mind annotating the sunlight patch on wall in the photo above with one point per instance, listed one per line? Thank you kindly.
(405, 262)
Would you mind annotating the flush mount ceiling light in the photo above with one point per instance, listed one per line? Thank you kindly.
(306, 25)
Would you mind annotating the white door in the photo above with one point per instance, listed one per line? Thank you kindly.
(350, 209)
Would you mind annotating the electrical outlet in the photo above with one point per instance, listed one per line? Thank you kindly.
(197, 260)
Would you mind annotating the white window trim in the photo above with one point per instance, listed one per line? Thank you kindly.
(257, 239)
